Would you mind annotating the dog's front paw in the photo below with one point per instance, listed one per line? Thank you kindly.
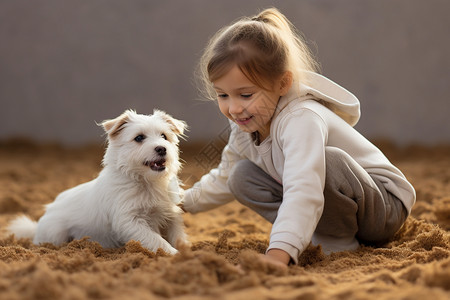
(171, 251)
(183, 243)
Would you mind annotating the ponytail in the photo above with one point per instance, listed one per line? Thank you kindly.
(300, 55)
(273, 17)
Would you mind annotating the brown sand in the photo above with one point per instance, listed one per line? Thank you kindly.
(414, 265)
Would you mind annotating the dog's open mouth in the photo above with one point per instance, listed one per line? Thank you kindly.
(156, 165)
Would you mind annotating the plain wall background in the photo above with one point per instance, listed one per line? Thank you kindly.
(65, 65)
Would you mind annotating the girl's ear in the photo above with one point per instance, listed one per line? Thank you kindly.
(177, 126)
(285, 83)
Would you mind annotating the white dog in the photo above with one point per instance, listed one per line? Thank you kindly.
(134, 197)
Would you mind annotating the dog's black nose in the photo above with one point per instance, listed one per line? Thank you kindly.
(160, 150)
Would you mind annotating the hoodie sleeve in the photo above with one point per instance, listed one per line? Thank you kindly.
(212, 190)
(302, 135)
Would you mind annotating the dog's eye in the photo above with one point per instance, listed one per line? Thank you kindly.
(163, 136)
(139, 138)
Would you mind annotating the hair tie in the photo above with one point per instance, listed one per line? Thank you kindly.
(259, 19)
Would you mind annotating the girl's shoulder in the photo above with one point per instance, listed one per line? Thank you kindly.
(298, 108)
(301, 117)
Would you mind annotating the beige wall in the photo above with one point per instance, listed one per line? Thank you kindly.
(65, 65)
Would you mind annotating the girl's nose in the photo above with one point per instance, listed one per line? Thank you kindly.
(235, 107)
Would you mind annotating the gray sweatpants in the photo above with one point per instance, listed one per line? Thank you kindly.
(356, 204)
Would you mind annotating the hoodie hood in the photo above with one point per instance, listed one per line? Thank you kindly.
(336, 98)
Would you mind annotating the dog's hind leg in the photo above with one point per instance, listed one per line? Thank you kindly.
(51, 231)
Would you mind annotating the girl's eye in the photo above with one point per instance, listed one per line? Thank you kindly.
(140, 138)
(222, 96)
(163, 136)
(246, 95)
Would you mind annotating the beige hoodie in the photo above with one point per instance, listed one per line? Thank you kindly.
(309, 118)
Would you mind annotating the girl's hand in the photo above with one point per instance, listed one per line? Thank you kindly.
(274, 261)
(277, 257)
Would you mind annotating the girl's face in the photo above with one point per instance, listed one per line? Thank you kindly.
(246, 104)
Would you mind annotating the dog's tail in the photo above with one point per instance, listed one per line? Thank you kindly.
(23, 227)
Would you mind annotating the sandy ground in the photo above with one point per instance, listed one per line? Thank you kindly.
(414, 265)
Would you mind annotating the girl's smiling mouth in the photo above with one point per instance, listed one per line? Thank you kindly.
(243, 121)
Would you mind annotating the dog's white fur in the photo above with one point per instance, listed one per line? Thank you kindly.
(134, 197)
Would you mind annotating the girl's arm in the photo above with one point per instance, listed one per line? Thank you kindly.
(212, 190)
(302, 136)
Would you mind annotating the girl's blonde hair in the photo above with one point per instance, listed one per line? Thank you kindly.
(264, 48)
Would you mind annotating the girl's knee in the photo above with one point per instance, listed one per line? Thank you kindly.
(249, 183)
(239, 175)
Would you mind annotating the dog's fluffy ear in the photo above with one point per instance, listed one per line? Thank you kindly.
(177, 126)
(114, 126)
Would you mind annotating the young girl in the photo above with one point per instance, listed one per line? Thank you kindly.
(293, 155)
